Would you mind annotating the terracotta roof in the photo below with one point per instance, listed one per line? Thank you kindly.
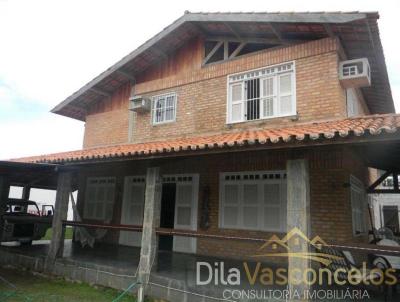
(320, 131)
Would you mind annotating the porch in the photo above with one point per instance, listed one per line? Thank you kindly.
(211, 204)
(173, 275)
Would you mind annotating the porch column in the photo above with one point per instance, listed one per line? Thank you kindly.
(26, 192)
(298, 216)
(151, 221)
(60, 213)
(4, 192)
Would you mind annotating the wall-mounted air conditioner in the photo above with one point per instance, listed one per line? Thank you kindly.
(355, 73)
(139, 103)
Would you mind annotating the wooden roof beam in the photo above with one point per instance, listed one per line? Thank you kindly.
(328, 29)
(126, 74)
(237, 50)
(233, 31)
(275, 30)
(254, 40)
(213, 51)
(100, 92)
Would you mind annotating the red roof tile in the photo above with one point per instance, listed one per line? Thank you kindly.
(359, 126)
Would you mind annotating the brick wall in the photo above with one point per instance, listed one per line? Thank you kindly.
(201, 107)
(330, 170)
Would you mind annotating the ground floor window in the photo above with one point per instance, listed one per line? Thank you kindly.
(358, 206)
(253, 201)
(99, 201)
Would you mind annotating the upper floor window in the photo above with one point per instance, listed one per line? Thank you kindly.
(164, 108)
(262, 93)
(353, 108)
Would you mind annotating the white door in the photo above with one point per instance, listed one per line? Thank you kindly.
(186, 213)
(132, 209)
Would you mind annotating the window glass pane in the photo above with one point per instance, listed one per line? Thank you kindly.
(236, 92)
(231, 194)
(90, 210)
(231, 216)
(250, 218)
(164, 108)
(271, 194)
(268, 87)
(101, 191)
(286, 104)
(183, 215)
(268, 107)
(99, 210)
(236, 112)
(285, 84)
(137, 214)
(250, 194)
(91, 193)
(184, 194)
(110, 194)
(272, 219)
(252, 99)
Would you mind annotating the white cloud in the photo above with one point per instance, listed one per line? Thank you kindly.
(39, 136)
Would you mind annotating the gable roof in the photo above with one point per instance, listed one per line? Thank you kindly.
(367, 127)
(358, 32)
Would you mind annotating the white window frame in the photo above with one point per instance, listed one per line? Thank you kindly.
(260, 182)
(358, 210)
(105, 182)
(275, 71)
(353, 102)
(154, 101)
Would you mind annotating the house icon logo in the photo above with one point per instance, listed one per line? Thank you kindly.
(277, 247)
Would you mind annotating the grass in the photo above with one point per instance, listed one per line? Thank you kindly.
(23, 286)
(68, 235)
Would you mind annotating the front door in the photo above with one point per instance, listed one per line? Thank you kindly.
(132, 209)
(167, 217)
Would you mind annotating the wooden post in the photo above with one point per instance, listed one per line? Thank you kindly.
(151, 221)
(4, 192)
(60, 213)
(26, 192)
(298, 216)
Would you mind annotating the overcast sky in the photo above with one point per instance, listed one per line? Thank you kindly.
(49, 49)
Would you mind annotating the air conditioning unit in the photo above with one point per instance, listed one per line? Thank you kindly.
(355, 73)
(140, 104)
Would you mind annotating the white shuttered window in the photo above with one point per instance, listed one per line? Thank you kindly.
(358, 206)
(263, 93)
(99, 201)
(253, 201)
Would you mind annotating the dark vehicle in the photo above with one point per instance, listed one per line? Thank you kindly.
(24, 222)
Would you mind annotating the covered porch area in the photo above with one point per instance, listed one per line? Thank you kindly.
(157, 214)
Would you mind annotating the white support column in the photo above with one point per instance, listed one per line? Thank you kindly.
(151, 221)
(298, 216)
(4, 192)
(60, 213)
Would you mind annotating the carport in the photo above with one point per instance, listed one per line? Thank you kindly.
(41, 176)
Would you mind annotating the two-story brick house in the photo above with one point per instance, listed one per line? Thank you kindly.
(221, 102)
